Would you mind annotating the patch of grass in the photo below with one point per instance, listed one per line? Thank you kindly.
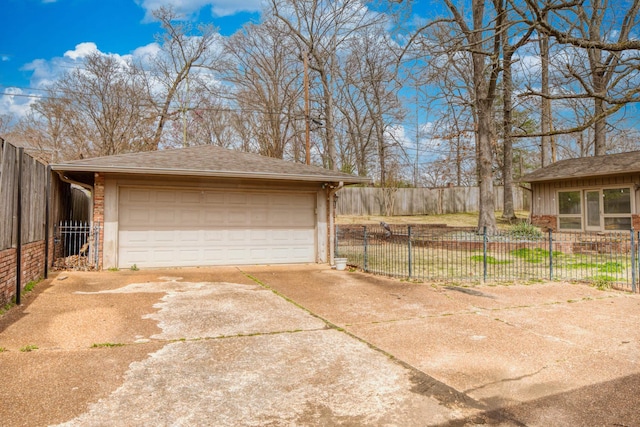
(535, 255)
(27, 289)
(29, 347)
(29, 286)
(8, 306)
(602, 283)
(2, 349)
(611, 267)
(113, 269)
(490, 260)
(607, 267)
(106, 344)
(134, 268)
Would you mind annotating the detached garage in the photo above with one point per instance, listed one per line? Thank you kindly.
(207, 205)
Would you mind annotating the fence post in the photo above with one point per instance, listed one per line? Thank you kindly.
(364, 261)
(20, 157)
(633, 262)
(550, 254)
(484, 253)
(410, 257)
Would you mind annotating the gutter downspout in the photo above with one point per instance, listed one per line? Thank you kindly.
(331, 212)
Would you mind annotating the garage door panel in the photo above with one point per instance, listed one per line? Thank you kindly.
(164, 217)
(189, 216)
(213, 236)
(190, 197)
(165, 196)
(161, 227)
(236, 199)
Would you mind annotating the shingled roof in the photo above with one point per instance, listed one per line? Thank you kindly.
(209, 161)
(583, 167)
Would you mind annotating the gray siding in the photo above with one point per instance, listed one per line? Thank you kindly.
(544, 193)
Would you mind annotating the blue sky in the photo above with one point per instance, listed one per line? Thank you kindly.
(35, 35)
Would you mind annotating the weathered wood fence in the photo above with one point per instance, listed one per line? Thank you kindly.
(420, 201)
(25, 247)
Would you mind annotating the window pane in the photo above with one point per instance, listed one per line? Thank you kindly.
(593, 208)
(617, 223)
(569, 202)
(617, 201)
(570, 223)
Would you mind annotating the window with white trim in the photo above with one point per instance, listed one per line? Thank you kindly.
(595, 209)
(570, 210)
(616, 208)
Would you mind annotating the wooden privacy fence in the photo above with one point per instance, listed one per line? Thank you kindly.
(420, 201)
(33, 193)
(23, 212)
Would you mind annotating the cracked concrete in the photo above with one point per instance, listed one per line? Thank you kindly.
(306, 345)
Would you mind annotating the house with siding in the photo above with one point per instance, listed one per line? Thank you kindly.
(597, 194)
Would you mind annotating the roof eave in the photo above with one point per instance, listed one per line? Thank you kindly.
(576, 176)
(214, 174)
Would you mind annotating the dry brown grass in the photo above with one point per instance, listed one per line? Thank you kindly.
(452, 220)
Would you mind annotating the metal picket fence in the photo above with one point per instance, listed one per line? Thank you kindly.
(426, 252)
(76, 245)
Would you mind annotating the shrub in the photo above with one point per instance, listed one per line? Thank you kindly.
(525, 230)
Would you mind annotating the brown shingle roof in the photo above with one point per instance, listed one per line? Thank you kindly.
(208, 160)
(611, 164)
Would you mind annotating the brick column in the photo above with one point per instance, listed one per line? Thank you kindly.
(98, 212)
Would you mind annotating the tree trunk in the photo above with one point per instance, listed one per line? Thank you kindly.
(507, 151)
(484, 159)
(545, 116)
(599, 129)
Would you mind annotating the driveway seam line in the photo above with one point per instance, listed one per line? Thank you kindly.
(443, 393)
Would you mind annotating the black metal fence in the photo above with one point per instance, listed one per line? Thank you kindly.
(427, 252)
(76, 245)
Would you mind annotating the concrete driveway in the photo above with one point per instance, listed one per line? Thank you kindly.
(307, 345)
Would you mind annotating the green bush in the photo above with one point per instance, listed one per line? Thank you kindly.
(524, 230)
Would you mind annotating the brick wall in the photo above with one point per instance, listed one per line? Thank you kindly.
(98, 211)
(635, 222)
(32, 268)
(545, 221)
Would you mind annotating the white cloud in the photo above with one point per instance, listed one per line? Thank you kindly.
(44, 72)
(15, 102)
(188, 8)
(82, 50)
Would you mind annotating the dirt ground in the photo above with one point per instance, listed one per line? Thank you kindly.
(307, 345)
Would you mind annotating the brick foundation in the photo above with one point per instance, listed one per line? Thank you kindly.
(545, 222)
(32, 268)
(635, 222)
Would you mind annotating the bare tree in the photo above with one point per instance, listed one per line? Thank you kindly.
(480, 36)
(101, 108)
(266, 74)
(509, 48)
(172, 69)
(600, 58)
(372, 68)
(321, 27)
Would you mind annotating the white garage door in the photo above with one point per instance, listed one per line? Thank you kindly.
(192, 227)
